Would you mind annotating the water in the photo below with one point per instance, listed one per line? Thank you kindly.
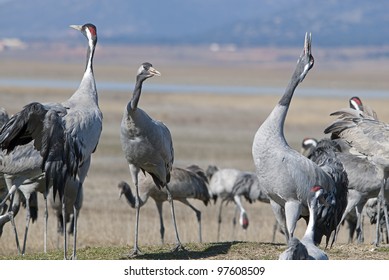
(186, 89)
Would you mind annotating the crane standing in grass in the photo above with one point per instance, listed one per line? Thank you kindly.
(148, 147)
(230, 184)
(66, 134)
(287, 176)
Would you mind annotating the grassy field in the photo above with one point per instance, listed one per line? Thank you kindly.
(207, 128)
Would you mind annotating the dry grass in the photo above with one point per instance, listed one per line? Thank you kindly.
(206, 129)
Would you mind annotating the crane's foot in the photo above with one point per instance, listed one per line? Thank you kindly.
(179, 248)
(136, 252)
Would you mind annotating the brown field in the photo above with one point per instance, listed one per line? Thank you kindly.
(207, 128)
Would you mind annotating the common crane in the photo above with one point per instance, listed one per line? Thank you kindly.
(230, 184)
(147, 145)
(306, 249)
(287, 176)
(65, 134)
(184, 183)
(365, 140)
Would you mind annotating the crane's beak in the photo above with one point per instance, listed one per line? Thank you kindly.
(120, 194)
(154, 72)
(77, 27)
(307, 43)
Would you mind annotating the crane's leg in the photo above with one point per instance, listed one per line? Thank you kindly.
(380, 198)
(198, 216)
(10, 216)
(386, 216)
(75, 219)
(170, 199)
(234, 222)
(45, 229)
(219, 220)
(15, 206)
(162, 227)
(292, 214)
(28, 217)
(359, 227)
(134, 174)
(279, 214)
(65, 241)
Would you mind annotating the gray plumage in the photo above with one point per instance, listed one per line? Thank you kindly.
(286, 175)
(295, 251)
(3, 186)
(306, 249)
(21, 171)
(230, 184)
(371, 213)
(307, 147)
(185, 183)
(147, 145)
(364, 142)
(74, 197)
(65, 134)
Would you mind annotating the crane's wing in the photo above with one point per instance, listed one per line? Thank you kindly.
(43, 125)
(362, 133)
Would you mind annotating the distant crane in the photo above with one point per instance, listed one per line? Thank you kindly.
(65, 134)
(287, 176)
(185, 183)
(147, 145)
(306, 249)
(231, 184)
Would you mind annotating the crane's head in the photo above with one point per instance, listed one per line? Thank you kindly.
(308, 145)
(318, 193)
(356, 103)
(89, 30)
(146, 70)
(244, 220)
(306, 60)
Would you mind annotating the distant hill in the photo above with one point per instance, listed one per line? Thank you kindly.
(243, 23)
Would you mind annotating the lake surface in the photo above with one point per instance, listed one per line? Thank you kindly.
(181, 88)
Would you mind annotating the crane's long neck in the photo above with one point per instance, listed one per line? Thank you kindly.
(129, 196)
(88, 84)
(309, 232)
(275, 121)
(133, 104)
(89, 55)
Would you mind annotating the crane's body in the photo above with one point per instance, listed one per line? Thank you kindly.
(65, 134)
(148, 146)
(285, 174)
(184, 184)
(230, 184)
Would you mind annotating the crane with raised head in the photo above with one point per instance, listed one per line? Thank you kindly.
(65, 134)
(287, 176)
(148, 147)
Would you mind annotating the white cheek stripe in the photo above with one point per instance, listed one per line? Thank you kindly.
(355, 105)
